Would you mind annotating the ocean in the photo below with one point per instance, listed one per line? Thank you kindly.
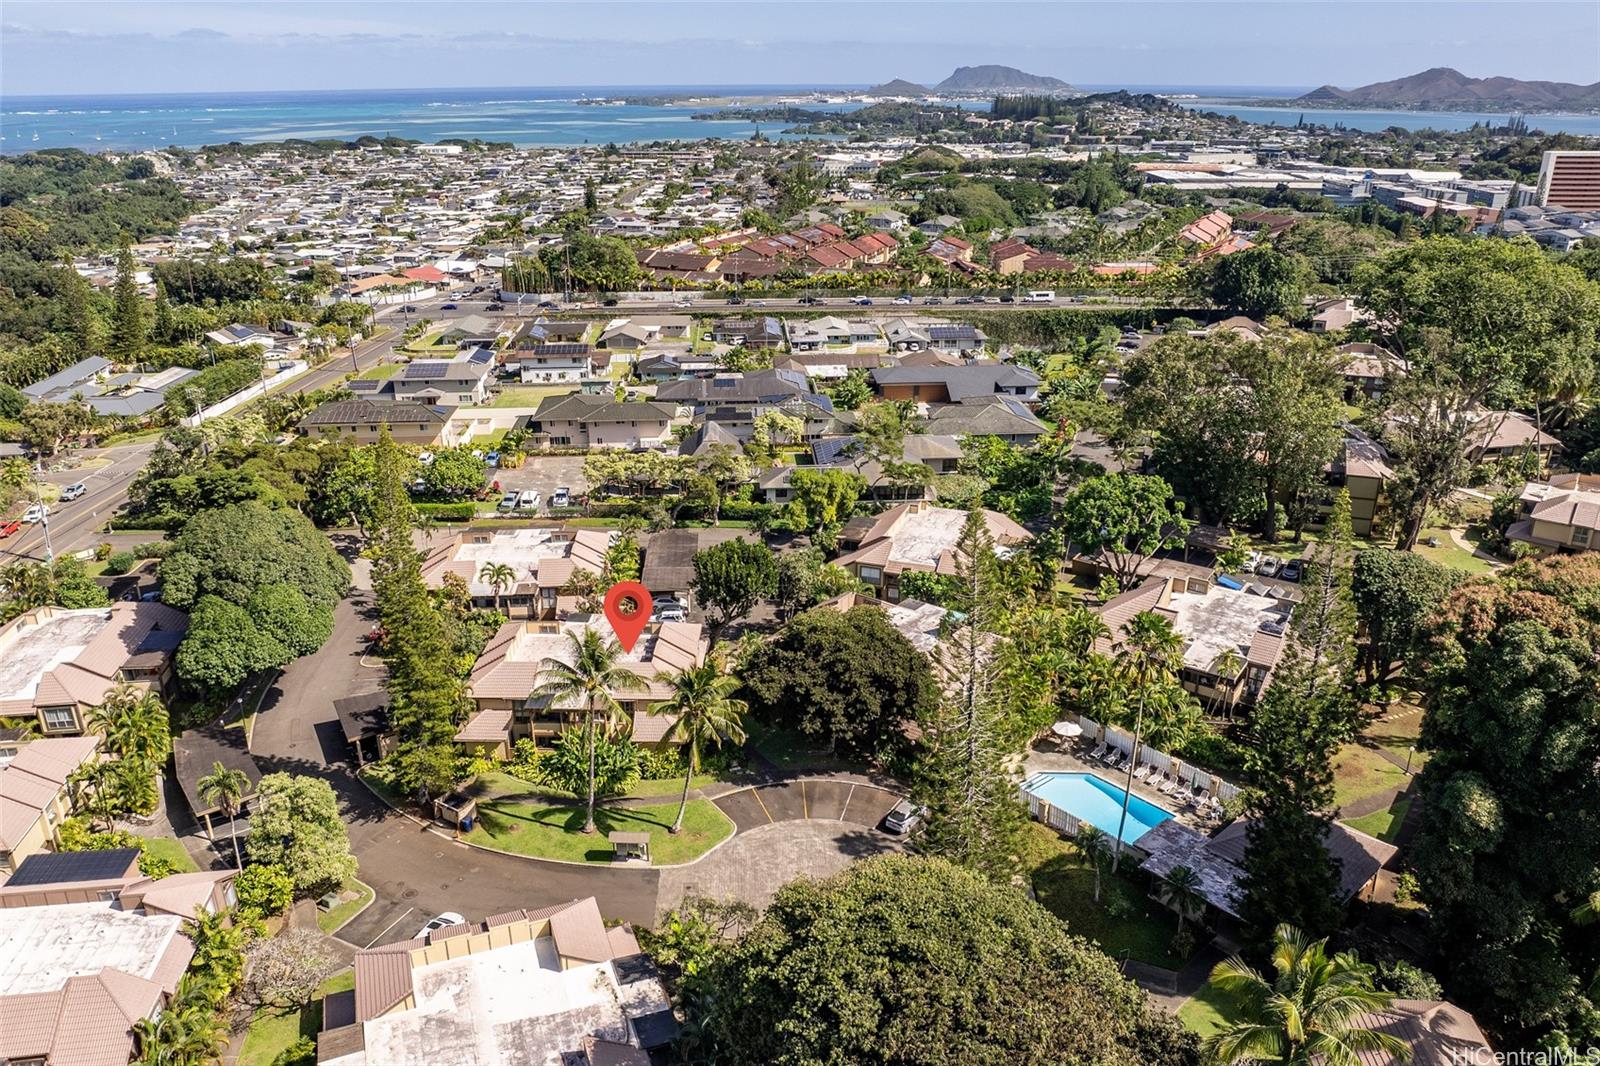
(533, 116)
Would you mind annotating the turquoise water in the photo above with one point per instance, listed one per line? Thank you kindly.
(1097, 802)
(549, 116)
(1371, 121)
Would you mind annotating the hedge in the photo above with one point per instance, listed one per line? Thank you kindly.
(449, 512)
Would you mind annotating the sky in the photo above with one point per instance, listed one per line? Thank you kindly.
(151, 47)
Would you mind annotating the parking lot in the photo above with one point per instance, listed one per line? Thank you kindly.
(544, 474)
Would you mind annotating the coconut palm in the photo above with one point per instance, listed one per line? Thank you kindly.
(592, 678)
(185, 1033)
(226, 787)
(135, 725)
(1305, 1015)
(706, 713)
(1084, 627)
(497, 576)
(1226, 666)
(1149, 653)
(1180, 890)
(94, 790)
(1094, 846)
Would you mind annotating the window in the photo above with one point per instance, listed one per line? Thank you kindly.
(872, 575)
(1580, 537)
(59, 718)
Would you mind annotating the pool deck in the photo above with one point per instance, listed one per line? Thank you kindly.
(1044, 758)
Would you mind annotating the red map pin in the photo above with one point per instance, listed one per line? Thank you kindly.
(628, 610)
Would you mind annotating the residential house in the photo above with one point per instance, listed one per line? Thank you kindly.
(939, 453)
(127, 395)
(472, 331)
(1208, 230)
(906, 335)
(950, 250)
(634, 333)
(458, 382)
(832, 365)
(567, 363)
(1507, 434)
(548, 331)
(736, 389)
(958, 338)
(553, 986)
(1367, 369)
(1561, 514)
(504, 686)
(1004, 417)
(54, 879)
(33, 795)
(934, 227)
(1232, 640)
(1016, 256)
(954, 384)
(763, 332)
(57, 663)
(542, 560)
(239, 335)
(832, 331)
(668, 569)
(363, 420)
(914, 536)
(1361, 467)
(889, 219)
(82, 977)
(1336, 315)
(586, 420)
(673, 366)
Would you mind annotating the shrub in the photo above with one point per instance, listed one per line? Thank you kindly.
(659, 764)
(449, 512)
(303, 1052)
(1408, 981)
(566, 766)
(121, 562)
(264, 890)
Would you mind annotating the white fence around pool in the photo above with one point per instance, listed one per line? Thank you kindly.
(1195, 778)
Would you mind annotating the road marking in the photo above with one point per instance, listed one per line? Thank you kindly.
(805, 806)
(847, 798)
(390, 926)
(757, 794)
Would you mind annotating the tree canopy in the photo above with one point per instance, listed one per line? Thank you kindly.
(296, 825)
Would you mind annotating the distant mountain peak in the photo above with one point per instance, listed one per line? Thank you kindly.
(992, 77)
(1445, 88)
(899, 87)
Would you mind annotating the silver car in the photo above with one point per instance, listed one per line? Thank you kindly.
(905, 817)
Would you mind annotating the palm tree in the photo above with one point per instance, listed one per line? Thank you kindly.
(592, 678)
(1149, 650)
(1180, 890)
(1094, 846)
(226, 788)
(183, 1034)
(94, 786)
(135, 725)
(702, 701)
(497, 576)
(1305, 1015)
(1226, 666)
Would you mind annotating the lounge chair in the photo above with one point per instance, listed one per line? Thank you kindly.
(1165, 783)
(1142, 772)
(1110, 757)
(1116, 758)
(1097, 754)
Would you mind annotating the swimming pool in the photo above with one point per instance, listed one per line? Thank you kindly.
(1097, 802)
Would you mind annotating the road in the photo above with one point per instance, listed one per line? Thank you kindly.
(77, 525)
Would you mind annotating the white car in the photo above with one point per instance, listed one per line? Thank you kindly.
(529, 500)
(904, 818)
(902, 299)
(508, 502)
(35, 514)
(440, 921)
(72, 492)
(562, 497)
(671, 611)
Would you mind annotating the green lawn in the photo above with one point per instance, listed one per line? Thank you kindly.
(1064, 885)
(334, 918)
(271, 1033)
(527, 395)
(1384, 825)
(500, 786)
(557, 832)
(171, 849)
(1359, 772)
(379, 372)
(1450, 554)
(1207, 1011)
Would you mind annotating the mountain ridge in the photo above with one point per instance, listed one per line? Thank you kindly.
(992, 77)
(1445, 88)
(899, 87)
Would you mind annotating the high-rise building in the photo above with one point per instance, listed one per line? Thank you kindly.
(1570, 180)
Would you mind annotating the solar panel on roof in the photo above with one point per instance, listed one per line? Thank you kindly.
(480, 356)
(360, 385)
(431, 368)
(58, 867)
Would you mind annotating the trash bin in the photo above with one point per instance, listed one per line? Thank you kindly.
(466, 824)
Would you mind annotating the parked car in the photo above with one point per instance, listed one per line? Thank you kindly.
(440, 921)
(670, 611)
(35, 513)
(903, 299)
(529, 500)
(1269, 566)
(1292, 570)
(150, 595)
(562, 497)
(1252, 559)
(447, 307)
(8, 528)
(493, 458)
(904, 818)
(508, 502)
(73, 491)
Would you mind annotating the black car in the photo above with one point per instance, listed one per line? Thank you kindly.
(965, 300)
(806, 301)
(409, 309)
(934, 301)
(609, 301)
(476, 289)
(447, 307)
(1008, 299)
(495, 306)
(548, 305)
(736, 299)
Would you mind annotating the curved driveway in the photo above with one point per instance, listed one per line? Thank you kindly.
(417, 873)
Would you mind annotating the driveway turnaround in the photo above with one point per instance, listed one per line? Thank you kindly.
(795, 828)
